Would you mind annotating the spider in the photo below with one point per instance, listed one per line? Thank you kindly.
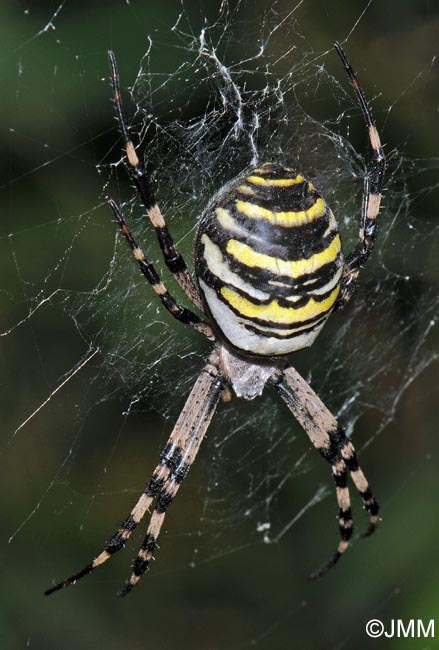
(269, 272)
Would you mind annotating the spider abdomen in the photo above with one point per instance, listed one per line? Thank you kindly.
(269, 262)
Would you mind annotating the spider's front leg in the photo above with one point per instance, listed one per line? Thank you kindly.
(373, 184)
(326, 435)
(173, 258)
(179, 312)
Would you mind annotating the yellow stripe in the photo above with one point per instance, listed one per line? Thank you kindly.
(245, 189)
(228, 222)
(274, 182)
(246, 255)
(286, 219)
(274, 312)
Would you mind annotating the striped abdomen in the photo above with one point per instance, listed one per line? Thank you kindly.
(269, 262)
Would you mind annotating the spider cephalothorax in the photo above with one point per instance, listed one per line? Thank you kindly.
(269, 272)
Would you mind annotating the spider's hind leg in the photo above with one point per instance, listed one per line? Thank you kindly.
(191, 426)
(345, 523)
(175, 462)
(325, 434)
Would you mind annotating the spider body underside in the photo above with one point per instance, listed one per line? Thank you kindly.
(269, 271)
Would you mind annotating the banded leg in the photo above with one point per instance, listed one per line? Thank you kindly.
(174, 463)
(345, 523)
(193, 424)
(173, 259)
(373, 184)
(182, 314)
(335, 447)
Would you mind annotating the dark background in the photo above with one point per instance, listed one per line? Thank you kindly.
(57, 125)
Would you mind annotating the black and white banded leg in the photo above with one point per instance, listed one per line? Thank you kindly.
(175, 462)
(373, 184)
(173, 259)
(335, 447)
(182, 314)
(200, 410)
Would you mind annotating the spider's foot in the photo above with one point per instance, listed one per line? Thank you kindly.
(57, 587)
(125, 591)
(129, 585)
(371, 528)
(332, 562)
(72, 580)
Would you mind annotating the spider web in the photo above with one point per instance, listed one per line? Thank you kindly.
(217, 90)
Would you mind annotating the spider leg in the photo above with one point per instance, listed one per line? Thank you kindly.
(345, 523)
(182, 314)
(173, 259)
(194, 422)
(326, 435)
(175, 461)
(373, 184)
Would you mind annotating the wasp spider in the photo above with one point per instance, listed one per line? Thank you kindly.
(269, 272)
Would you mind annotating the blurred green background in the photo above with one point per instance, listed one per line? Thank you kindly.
(71, 472)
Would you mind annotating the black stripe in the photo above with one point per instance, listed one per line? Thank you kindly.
(299, 238)
(278, 199)
(373, 508)
(140, 565)
(276, 335)
(142, 183)
(337, 440)
(173, 259)
(166, 453)
(346, 533)
(270, 323)
(282, 294)
(118, 541)
(303, 296)
(115, 544)
(129, 523)
(216, 284)
(154, 486)
(172, 460)
(376, 170)
(345, 517)
(273, 170)
(180, 313)
(366, 495)
(165, 498)
(370, 231)
(149, 543)
(300, 242)
(352, 463)
(345, 514)
(341, 480)
(261, 278)
(149, 272)
(175, 264)
(181, 472)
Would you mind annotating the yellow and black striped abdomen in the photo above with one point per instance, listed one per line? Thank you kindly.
(269, 262)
